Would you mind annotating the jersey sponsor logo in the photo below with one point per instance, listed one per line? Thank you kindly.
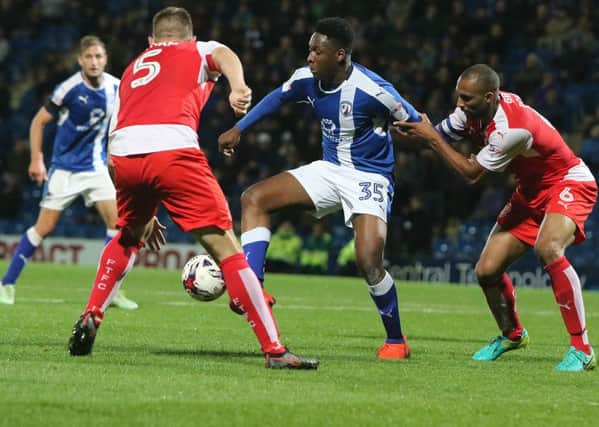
(346, 108)
(328, 128)
(83, 99)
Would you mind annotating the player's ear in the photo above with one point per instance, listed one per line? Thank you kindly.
(150, 40)
(490, 97)
(341, 54)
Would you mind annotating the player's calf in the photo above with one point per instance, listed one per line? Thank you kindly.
(236, 308)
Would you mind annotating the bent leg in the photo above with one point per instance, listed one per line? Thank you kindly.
(115, 262)
(256, 204)
(555, 235)
(500, 251)
(273, 193)
(33, 237)
(108, 212)
(242, 285)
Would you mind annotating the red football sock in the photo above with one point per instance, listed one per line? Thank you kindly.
(246, 293)
(509, 293)
(568, 295)
(501, 298)
(116, 261)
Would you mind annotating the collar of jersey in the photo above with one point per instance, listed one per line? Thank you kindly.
(87, 85)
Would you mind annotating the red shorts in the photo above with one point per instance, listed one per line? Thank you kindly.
(181, 180)
(522, 216)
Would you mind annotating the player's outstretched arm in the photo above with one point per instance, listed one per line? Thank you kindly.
(404, 141)
(37, 168)
(468, 168)
(228, 62)
(227, 141)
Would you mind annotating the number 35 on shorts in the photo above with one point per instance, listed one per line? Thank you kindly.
(372, 190)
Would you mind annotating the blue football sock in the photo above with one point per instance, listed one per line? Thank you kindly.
(384, 296)
(255, 244)
(25, 249)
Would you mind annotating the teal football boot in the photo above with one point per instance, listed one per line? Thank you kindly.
(577, 361)
(500, 345)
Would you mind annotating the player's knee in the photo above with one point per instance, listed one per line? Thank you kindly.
(130, 236)
(548, 250)
(44, 230)
(250, 199)
(487, 272)
(371, 269)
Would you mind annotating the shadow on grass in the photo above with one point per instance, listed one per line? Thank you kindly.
(202, 353)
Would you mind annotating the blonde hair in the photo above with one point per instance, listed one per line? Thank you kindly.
(88, 41)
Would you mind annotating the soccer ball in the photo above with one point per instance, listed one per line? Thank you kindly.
(202, 279)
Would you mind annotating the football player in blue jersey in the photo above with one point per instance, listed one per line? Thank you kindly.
(82, 105)
(354, 106)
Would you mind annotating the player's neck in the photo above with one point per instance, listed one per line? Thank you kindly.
(492, 112)
(339, 77)
(94, 82)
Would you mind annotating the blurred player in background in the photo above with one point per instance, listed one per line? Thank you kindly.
(157, 159)
(555, 194)
(354, 106)
(82, 105)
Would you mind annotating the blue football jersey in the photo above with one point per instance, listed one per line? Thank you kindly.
(83, 114)
(354, 116)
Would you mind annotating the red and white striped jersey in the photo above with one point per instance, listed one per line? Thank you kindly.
(161, 97)
(520, 140)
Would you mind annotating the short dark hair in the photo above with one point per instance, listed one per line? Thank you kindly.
(486, 77)
(89, 41)
(172, 22)
(339, 30)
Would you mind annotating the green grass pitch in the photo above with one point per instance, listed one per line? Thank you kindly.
(178, 362)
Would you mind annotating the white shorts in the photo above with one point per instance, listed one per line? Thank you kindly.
(63, 187)
(332, 187)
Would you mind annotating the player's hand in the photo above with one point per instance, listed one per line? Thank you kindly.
(154, 238)
(37, 171)
(240, 100)
(423, 129)
(228, 140)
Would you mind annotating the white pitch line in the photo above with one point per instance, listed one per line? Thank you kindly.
(410, 308)
(403, 307)
(45, 300)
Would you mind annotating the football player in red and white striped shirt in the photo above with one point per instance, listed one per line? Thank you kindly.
(555, 194)
(157, 160)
